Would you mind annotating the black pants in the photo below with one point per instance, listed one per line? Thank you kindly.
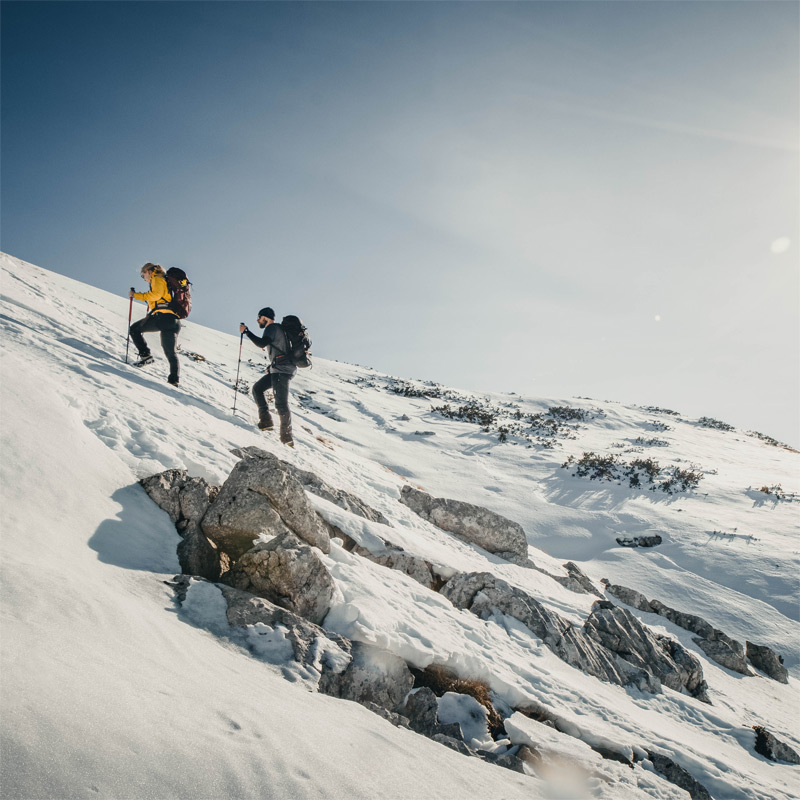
(279, 383)
(169, 326)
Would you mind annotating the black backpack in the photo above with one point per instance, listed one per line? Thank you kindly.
(298, 341)
(178, 285)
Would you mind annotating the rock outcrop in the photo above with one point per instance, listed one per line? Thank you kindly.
(621, 632)
(373, 676)
(773, 749)
(485, 595)
(479, 526)
(186, 500)
(261, 496)
(768, 661)
(395, 557)
(716, 644)
(287, 572)
(676, 774)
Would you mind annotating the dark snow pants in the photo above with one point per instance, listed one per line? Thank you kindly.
(279, 383)
(169, 326)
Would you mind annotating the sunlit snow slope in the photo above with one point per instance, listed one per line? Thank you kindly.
(107, 691)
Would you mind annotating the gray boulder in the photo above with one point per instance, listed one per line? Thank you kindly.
(186, 500)
(773, 749)
(479, 526)
(577, 580)
(628, 596)
(287, 572)
(485, 595)
(313, 647)
(261, 496)
(349, 502)
(725, 651)
(397, 558)
(421, 708)
(373, 676)
(676, 774)
(768, 661)
(621, 632)
(716, 644)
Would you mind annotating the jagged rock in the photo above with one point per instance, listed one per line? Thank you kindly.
(186, 500)
(679, 776)
(312, 646)
(422, 710)
(288, 572)
(773, 749)
(628, 596)
(398, 720)
(621, 632)
(453, 743)
(514, 759)
(485, 595)
(727, 652)
(349, 502)
(261, 496)
(397, 558)
(373, 676)
(577, 580)
(768, 661)
(716, 644)
(311, 482)
(197, 555)
(639, 541)
(493, 532)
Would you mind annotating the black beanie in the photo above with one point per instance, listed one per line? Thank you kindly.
(267, 312)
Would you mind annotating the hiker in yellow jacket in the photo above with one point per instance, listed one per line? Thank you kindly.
(160, 317)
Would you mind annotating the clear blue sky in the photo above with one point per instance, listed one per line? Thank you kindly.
(564, 198)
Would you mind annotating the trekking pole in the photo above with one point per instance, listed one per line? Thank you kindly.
(128, 340)
(238, 363)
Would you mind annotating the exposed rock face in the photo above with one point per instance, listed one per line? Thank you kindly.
(422, 710)
(639, 541)
(186, 500)
(773, 749)
(349, 502)
(287, 572)
(716, 644)
(727, 652)
(629, 596)
(577, 580)
(621, 632)
(373, 676)
(485, 595)
(246, 609)
(679, 776)
(315, 648)
(261, 496)
(314, 484)
(397, 558)
(479, 526)
(768, 661)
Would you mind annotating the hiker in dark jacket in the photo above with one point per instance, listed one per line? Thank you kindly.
(160, 317)
(280, 371)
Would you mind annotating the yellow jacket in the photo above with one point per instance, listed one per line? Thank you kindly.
(158, 295)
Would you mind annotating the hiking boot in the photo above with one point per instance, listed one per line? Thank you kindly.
(172, 381)
(265, 421)
(144, 360)
(286, 429)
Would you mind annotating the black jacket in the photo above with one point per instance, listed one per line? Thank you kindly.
(274, 341)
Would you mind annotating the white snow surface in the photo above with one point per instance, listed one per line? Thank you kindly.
(109, 690)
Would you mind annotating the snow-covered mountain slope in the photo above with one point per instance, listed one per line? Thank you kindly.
(107, 691)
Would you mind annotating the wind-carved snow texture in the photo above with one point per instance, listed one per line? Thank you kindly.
(81, 428)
